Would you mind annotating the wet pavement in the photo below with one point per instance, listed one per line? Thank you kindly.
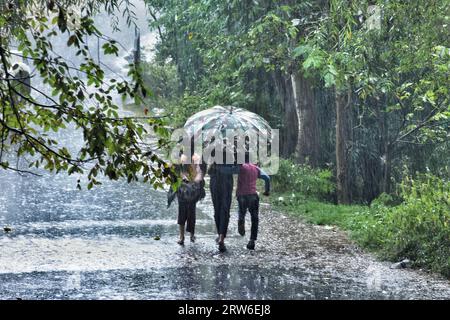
(100, 244)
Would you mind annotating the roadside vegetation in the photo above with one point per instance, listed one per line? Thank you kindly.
(412, 224)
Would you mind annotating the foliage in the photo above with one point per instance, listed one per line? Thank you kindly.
(226, 52)
(187, 106)
(395, 61)
(303, 180)
(417, 229)
(163, 79)
(392, 56)
(317, 212)
(167, 95)
(75, 96)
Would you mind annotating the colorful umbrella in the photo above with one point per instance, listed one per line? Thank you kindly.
(218, 120)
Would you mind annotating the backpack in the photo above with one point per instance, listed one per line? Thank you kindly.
(187, 192)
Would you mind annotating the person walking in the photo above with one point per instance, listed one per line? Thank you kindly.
(188, 194)
(248, 198)
(221, 187)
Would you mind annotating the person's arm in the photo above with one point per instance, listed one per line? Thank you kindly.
(196, 160)
(266, 178)
(198, 173)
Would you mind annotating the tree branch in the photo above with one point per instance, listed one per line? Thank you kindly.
(419, 126)
(155, 19)
(22, 171)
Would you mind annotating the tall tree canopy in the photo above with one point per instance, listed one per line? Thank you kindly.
(361, 86)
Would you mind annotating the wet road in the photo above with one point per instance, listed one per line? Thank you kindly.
(99, 244)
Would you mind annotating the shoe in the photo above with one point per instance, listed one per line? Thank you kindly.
(222, 247)
(251, 245)
(241, 227)
(192, 238)
(180, 242)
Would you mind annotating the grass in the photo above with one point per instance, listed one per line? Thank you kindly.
(416, 229)
(357, 220)
(317, 212)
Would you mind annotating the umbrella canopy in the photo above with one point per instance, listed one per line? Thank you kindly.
(218, 119)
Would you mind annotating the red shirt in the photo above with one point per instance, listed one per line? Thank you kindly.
(248, 175)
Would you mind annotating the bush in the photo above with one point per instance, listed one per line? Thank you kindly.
(303, 180)
(417, 229)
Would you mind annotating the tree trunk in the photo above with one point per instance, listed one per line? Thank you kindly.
(307, 148)
(387, 170)
(343, 134)
(387, 150)
(289, 129)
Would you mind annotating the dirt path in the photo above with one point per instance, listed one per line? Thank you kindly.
(325, 258)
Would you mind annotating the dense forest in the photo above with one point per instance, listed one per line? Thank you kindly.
(359, 87)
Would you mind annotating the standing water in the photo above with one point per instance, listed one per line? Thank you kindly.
(101, 244)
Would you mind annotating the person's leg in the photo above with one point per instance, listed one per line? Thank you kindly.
(225, 206)
(254, 213)
(225, 210)
(221, 226)
(181, 230)
(190, 225)
(215, 197)
(182, 217)
(218, 215)
(219, 223)
(241, 214)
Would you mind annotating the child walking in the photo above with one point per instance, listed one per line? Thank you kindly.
(248, 198)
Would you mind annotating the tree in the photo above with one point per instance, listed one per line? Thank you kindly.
(386, 56)
(238, 52)
(325, 52)
(78, 96)
(357, 86)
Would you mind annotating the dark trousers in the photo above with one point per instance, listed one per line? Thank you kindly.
(221, 187)
(250, 202)
(186, 215)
